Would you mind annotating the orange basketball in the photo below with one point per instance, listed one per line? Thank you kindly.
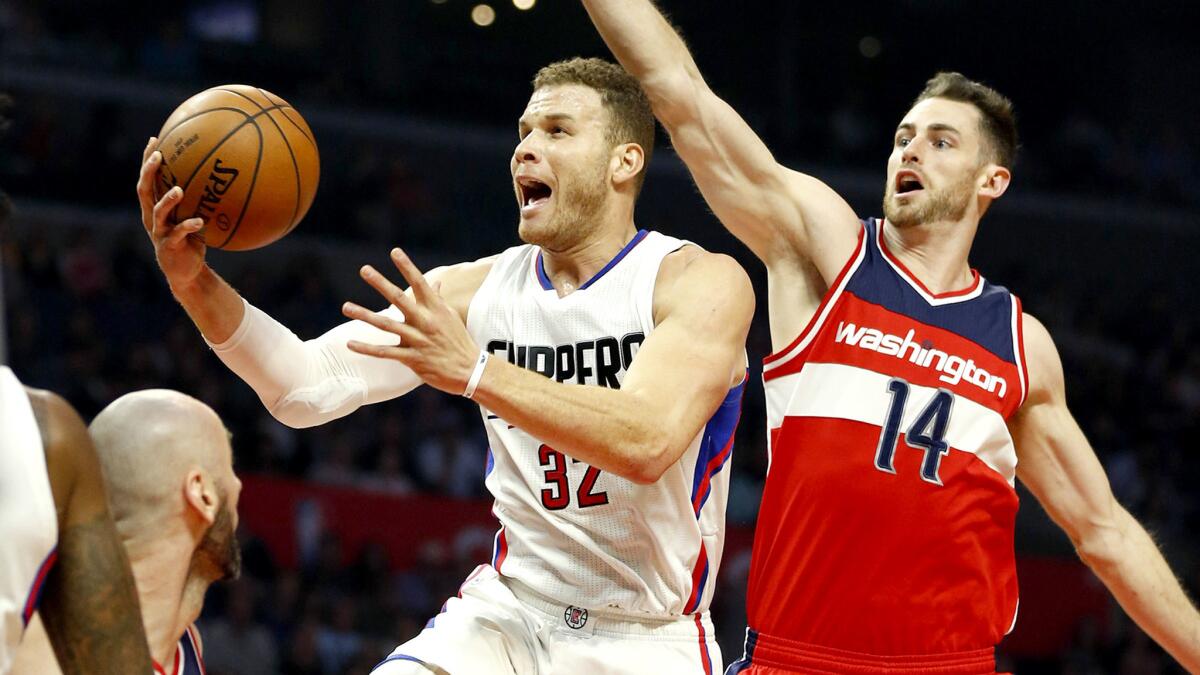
(247, 163)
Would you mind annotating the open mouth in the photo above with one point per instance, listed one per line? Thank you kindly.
(907, 182)
(533, 192)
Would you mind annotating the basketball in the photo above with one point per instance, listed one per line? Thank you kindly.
(247, 162)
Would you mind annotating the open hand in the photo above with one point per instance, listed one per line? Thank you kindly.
(434, 342)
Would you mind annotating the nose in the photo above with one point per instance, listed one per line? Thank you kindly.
(527, 151)
(909, 155)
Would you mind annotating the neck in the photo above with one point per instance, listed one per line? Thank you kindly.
(935, 252)
(572, 266)
(170, 596)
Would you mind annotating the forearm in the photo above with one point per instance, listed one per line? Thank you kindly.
(90, 609)
(1131, 566)
(307, 383)
(646, 45)
(609, 429)
(211, 304)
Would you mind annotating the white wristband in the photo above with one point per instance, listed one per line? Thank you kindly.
(476, 374)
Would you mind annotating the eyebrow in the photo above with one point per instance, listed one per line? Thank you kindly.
(936, 126)
(553, 117)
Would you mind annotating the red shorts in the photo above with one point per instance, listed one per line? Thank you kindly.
(767, 655)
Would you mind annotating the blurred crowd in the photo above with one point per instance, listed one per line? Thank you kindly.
(1119, 128)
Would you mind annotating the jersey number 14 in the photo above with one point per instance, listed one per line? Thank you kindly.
(927, 432)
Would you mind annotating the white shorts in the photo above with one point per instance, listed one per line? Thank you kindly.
(498, 626)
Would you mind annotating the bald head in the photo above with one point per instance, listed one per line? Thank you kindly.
(148, 442)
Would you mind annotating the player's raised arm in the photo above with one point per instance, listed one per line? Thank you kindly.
(302, 383)
(90, 605)
(776, 212)
(703, 304)
(1058, 465)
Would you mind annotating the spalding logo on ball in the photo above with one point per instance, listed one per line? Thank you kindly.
(247, 163)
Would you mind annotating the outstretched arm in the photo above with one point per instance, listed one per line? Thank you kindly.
(778, 213)
(90, 605)
(301, 383)
(676, 382)
(1058, 465)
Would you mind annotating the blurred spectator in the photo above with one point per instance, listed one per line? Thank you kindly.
(237, 644)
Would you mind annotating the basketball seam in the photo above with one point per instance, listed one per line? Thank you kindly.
(250, 119)
(281, 107)
(249, 192)
(295, 164)
(192, 117)
(296, 124)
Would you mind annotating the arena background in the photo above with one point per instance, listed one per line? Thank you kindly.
(355, 532)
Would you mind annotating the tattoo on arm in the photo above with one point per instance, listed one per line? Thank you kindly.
(90, 605)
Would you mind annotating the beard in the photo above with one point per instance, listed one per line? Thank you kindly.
(949, 203)
(579, 202)
(218, 554)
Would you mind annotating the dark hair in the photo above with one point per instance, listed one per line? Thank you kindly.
(998, 123)
(630, 119)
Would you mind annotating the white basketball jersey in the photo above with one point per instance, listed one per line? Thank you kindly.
(28, 522)
(569, 531)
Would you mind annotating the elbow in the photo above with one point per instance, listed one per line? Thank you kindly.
(290, 417)
(674, 95)
(654, 456)
(1100, 545)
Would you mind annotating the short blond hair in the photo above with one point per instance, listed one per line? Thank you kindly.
(630, 119)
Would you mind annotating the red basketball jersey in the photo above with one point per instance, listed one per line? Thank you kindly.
(886, 526)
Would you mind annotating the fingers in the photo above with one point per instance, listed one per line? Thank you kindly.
(145, 185)
(400, 354)
(390, 292)
(384, 323)
(149, 149)
(180, 232)
(160, 225)
(420, 287)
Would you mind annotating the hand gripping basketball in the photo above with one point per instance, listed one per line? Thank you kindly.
(178, 247)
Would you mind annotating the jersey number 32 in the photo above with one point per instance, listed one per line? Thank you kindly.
(557, 493)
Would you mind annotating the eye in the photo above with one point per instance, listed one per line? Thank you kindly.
(557, 131)
(941, 144)
(903, 141)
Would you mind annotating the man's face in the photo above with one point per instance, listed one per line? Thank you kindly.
(935, 165)
(560, 167)
(219, 547)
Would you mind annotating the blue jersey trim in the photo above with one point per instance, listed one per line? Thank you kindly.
(747, 659)
(34, 597)
(399, 657)
(190, 654)
(717, 434)
(985, 319)
(544, 279)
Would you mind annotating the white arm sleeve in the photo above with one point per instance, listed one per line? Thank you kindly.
(306, 383)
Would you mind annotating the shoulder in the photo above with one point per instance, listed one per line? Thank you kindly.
(691, 274)
(457, 284)
(64, 435)
(70, 455)
(1041, 360)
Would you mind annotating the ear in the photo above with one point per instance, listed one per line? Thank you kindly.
(628, 159)
(201, 496)
(995, 181)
